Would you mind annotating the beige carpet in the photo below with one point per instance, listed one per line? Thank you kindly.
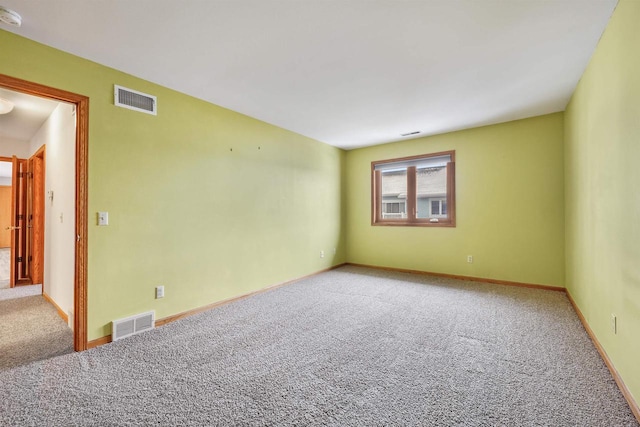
(350, 347)
(31, 330)
(20, 292)
(5, 254)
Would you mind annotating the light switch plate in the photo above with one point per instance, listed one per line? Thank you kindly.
(103, 218)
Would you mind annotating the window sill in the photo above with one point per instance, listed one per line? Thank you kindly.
(414, 224)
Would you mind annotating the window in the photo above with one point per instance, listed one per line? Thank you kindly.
(394, 210)
(439, 207)
(414, 191)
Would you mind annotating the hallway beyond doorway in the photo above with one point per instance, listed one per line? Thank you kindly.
(31, 330)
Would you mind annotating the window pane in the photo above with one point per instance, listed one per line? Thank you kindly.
(431, 191)
(435, 207)
(394, 194)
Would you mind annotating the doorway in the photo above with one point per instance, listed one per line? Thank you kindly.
(81, 109)
(6, 172)
(22, 220)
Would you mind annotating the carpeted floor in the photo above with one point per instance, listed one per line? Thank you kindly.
(20, 292)
(350, 347)
(5, 254)
(31, 330)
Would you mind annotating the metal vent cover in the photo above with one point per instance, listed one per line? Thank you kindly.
(134, 100)
(128, 326)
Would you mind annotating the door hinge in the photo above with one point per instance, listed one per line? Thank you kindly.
(19, 217)
(30, 258)
(20, 259)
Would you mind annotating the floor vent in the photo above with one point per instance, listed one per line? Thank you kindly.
(128, 326)
(134, 100)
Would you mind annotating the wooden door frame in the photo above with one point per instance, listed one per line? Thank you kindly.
(12, 219)
(39, 213)
(82, 159)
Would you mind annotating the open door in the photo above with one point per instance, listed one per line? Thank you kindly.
(19, 274)
(12, 224)
(35, 217)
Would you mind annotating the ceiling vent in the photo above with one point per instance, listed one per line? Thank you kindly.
(128, 326)
(134, 100)
(410, 133)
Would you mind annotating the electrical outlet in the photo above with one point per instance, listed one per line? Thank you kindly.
(470, 259)
(321, 254)
(159, 292)
(614, 324)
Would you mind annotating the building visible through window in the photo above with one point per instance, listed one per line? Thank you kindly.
(414, 191)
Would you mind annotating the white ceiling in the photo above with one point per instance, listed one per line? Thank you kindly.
(350, 73)
(28, 114)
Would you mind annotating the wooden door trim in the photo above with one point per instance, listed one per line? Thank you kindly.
(41, 153)
(82, 159)
(12, 222)
(22, 276)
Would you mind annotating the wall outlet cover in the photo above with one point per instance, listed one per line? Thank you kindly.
(103, 218)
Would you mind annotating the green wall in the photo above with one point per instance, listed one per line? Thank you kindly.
(509, 202)
(205, 201)
(602, 155)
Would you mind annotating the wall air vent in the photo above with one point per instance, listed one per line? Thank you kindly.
(128, 326)
(134, 100)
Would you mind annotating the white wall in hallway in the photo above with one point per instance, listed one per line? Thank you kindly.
(58, 133)
(10, 147)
